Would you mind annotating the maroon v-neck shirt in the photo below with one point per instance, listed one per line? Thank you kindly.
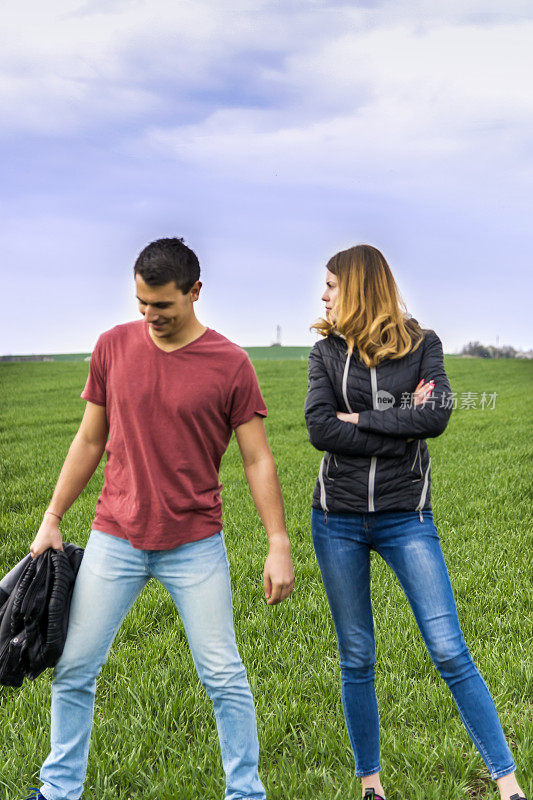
(170, 416)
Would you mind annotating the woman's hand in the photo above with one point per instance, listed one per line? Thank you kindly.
(353, 418)
(48, 535)
(422, 392)
(420, 395)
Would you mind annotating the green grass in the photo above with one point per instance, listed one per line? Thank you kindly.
(272, 353)
(154, 734)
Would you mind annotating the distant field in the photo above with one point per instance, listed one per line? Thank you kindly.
(272, 353)
(278, 353)
(154, 735)
(45, 357)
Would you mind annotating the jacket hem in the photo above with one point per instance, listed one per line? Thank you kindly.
(363, 509)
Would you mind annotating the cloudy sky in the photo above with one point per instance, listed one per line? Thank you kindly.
(270, 135)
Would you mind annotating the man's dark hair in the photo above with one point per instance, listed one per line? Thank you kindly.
(168, 260)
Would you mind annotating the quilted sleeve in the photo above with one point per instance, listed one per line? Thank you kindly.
(327, 432)
(423, 421)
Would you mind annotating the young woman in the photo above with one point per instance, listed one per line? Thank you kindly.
(377, 390)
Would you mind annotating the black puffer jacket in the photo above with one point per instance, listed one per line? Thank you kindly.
(34, 610)
(371, 466)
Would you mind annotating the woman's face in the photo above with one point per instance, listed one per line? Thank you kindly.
(331, 294)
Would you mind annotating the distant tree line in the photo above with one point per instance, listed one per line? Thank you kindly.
(478, 350)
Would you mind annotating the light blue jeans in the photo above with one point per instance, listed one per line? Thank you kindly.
(411, 548)
(111, 576)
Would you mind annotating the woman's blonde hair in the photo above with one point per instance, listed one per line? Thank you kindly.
(369, 311)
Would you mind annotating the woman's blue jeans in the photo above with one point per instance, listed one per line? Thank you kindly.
(411, 548)
(111, 576)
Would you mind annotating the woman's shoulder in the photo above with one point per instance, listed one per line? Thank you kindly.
(329, 343)
(328, 349)
(429, 336)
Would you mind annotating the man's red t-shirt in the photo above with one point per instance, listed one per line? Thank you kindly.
(170, 416)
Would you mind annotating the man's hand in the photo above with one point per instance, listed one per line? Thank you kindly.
(278, 575)
(48, 535)
(260, 470)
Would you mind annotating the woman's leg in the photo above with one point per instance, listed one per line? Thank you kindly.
(110, 577)
(412, 549)
(343, 555)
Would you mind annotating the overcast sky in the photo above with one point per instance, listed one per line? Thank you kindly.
(269, 135)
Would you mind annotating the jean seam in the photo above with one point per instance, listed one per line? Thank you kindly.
(222, 560)
(363, 773)
(476, 739)
(48, 797)
(494, 773)
(503, 772)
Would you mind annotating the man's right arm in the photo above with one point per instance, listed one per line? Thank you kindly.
(82, 459)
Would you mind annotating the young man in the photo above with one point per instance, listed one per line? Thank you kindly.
(163, 397)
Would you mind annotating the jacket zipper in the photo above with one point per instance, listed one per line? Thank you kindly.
(323, 502)
(418, 457)
(420, 505)
(345, 383)
(374, 459)
(323, 499)
(36, 584)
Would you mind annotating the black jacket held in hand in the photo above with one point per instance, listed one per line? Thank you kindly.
(34, 609)
(371, 466)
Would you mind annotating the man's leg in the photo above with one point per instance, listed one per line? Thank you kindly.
(111, 576)
(197, 577)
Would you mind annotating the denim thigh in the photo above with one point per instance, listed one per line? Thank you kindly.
(343, 554)
(411, 547)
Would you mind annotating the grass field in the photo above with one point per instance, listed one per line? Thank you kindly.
(272, 353)
(154, 735)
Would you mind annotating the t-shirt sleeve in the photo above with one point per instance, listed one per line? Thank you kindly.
(245, 398)
(95, 388)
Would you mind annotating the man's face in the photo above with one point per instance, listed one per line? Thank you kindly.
(165, 308)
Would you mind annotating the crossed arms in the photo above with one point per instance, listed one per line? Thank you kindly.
(376, 433)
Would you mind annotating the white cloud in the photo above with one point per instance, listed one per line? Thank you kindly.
(66, 64)
(301, 92)
(418, 101)
(70, 63)
(393, 105)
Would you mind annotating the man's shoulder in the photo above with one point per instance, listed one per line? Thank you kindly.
(222, 346)
(126, 330)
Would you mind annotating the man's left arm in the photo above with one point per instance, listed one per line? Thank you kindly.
(262, 477)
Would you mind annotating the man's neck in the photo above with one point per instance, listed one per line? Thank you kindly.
(181, 338)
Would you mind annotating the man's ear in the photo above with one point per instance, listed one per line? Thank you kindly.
(194, 291)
